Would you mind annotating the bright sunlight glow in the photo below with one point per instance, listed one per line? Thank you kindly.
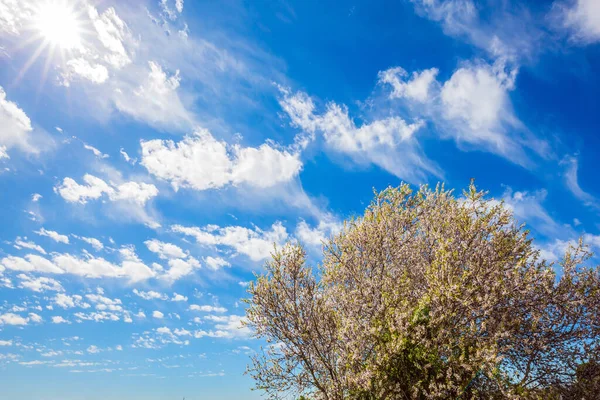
(58, 25)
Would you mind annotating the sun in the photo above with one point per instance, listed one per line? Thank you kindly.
(58, 25)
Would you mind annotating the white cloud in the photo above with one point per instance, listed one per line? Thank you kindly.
(319, 234)
(207, 308)
(179, 268)
(179, 6)
(12, 319)
(57, 237)
(202, 162)
(157, 314)
(473, 107)
(30, 263)
(216, 263)
(155, 100)
(254, 243)
(91, 267)
(527, 208)
(417, 88)
(582, 18)
(126, 157)
(6, 342)
(65, 301)
(389, 143)
(150, 295)
(179, 297)
(508, 31)
(94, 150)
(57, 319)
(95, 243)
(22, 243)
(165, 250)
(39, 284)
(33, 317)
(15, 126)
(93, 349)
(94, 187)
(36, 197)
(571, 180)
(112, 32)
(80, 67)
(230, 326)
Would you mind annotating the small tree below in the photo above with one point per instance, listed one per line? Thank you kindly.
(426, 296)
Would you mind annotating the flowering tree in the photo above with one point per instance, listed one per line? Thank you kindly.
(426, 296)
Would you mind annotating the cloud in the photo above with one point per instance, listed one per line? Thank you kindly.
(155, 100)
(179, 268)
(164, 250)
(12, 319)
(22, 243)
(389, 143)
(216, 263)
(179, 297)
(15, 127)
(92, 267)
(39, 284)
(94, 188)
(157, 314)
(94, 150)
(473, 107)
(57, 319)
(319, 234)
(202, 162)
(206, 308)
(65, 301)
(95, 243)
(417, 88)
(581, 18)
(254, 243)
(150, 295)
(57, 237)
(80, 67)
(509, 31)
(229, 326)
(571, 180)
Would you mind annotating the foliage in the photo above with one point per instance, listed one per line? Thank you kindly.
(426, 296)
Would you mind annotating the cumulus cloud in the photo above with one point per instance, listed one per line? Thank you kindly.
(164, 250)
(202, 162)
(94, 188)
(179, 297)
(473, 107)
(12, 319)
(92, 267)
(216, 263)
(416, 88)
(207, 308)
(15, 127)
(157, 314)
(39, 284)
(57, 319)
(150, 295)
(254, 243)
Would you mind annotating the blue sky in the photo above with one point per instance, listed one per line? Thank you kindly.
(152, 153)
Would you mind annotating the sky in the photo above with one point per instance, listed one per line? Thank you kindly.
(153, 153)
